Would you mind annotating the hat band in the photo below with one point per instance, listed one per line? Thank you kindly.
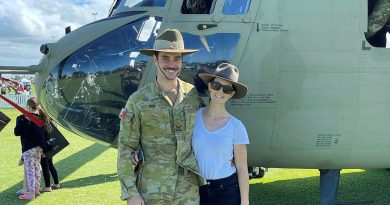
(164, 44)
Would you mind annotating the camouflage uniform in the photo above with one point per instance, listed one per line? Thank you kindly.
(170, 174)
(379, 17)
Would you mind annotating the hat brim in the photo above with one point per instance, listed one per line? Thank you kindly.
(151, 52)
(241, 89)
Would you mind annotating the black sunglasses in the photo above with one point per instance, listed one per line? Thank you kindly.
(227, 89)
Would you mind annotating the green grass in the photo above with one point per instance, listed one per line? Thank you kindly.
(301, 186)
(88, 173)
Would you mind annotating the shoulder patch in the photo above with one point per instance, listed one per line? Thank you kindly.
(125, 115)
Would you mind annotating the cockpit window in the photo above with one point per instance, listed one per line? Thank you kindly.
(235, 7)
(213, 50)
(86, 91)
(122, 5)
(141, 3)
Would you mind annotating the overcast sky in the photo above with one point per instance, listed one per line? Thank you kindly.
(27, 24)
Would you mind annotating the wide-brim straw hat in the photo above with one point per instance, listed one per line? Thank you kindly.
(229, 73)
(170, 41)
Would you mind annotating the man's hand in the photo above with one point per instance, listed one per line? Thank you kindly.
(135, 200)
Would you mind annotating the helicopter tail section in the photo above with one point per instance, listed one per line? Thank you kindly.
(32, 69)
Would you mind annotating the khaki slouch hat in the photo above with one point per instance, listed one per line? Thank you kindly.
(170, 41)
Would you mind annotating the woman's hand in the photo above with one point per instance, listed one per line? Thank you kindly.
(134, 158)
(21, 162)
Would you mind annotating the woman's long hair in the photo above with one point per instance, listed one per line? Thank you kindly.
(34, 105)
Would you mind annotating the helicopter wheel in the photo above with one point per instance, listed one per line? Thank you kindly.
(256, 172)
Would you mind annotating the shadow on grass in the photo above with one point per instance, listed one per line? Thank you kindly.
(66, 167)
(91, 180)
(367, 187)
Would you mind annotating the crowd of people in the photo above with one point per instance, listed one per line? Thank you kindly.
(14, 88)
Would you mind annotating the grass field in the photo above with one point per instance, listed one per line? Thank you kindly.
(88, 174)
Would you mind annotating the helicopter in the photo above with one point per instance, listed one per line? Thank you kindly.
(317, 93)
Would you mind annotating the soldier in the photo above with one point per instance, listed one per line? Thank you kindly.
(158, 119)
(378, 22)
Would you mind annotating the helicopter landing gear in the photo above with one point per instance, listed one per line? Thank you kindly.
(329, 185)
(256, 172)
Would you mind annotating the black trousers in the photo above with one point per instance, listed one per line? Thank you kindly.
(221, 191)
(47, 168)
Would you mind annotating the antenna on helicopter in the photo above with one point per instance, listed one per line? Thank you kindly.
(68, 30)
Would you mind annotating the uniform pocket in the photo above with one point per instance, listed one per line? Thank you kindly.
(156, 182)
(155, 122)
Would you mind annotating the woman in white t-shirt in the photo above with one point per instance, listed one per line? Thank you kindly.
(219, 141)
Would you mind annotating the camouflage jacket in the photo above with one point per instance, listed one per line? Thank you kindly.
(164, 133)
(379, 17)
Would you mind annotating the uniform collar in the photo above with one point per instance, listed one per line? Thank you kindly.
(181, 93)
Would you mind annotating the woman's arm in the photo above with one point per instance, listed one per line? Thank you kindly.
(240, 160)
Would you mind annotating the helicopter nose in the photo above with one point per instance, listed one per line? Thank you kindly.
(87, 104)
(86, 90)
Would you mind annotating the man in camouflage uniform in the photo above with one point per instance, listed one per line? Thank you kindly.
(378, 22)
(158, 119)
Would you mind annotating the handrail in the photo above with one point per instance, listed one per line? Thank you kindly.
(20, 100)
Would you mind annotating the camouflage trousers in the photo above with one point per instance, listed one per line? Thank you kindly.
(185, 194)
(32, 167)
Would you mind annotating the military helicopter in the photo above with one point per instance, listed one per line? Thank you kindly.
(318, 91)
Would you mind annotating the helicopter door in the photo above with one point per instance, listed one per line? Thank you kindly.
(220, 36)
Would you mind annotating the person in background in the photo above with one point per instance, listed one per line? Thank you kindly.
(20, 89)
(25, 186)
(47, 170)
(48, 166)
(3, 91)
(220, 140)
(33, 144)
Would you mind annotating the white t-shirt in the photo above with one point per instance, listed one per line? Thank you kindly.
(214, 150)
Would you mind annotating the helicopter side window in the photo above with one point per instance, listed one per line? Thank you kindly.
(236, 7)
(378, 24)
(213, 50)
(196, 6)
